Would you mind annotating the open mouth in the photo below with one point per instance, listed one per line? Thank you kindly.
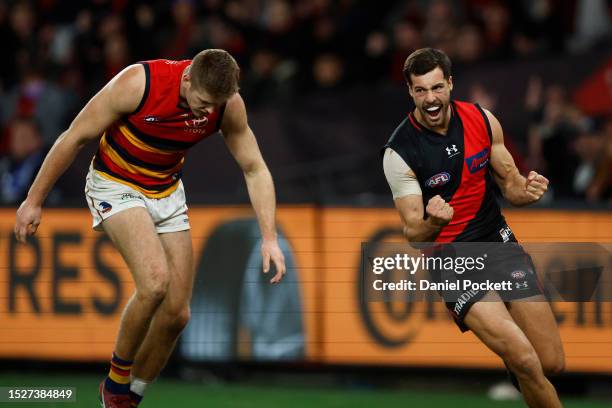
(433, 112)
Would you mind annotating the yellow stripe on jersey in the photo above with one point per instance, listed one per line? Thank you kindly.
(132, 168)
(148, 193)
(139, 143)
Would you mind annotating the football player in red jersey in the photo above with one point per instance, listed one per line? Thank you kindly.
(146, 118)
(441, 163)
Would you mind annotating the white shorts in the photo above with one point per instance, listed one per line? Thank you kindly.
(107, 197)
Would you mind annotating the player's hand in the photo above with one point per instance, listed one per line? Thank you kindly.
(27, 220)
(536, 185)
(271, 251)
(439, 211)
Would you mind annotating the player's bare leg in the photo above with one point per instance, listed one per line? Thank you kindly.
(536, 319)
(173, 314)
(492, 324)
(133, 233)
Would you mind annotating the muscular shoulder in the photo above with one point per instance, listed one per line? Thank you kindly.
(496, 129)
(126, 89)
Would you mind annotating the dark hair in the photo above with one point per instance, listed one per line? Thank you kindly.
(216, 72)
(425, 60)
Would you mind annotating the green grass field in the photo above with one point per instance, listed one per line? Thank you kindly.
(176, 394)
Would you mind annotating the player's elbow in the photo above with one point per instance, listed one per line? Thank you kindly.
(255, 168)
(411, 233)
(75, 138)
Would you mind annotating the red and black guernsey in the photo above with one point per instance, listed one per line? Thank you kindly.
(146, 149)
(455, 166)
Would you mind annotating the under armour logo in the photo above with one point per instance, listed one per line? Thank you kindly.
(521, 286)
(451, 151)
(505, 233)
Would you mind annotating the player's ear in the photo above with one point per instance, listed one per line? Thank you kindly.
(186, 79)
(409, 88)
(450, 82)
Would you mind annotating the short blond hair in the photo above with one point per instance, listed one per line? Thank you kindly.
(216, 72)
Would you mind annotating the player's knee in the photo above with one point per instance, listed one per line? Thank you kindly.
(522, 359)
(179, 318)
(183, 317)
(524, 362)
(153, 292)
(554, 365)
(155, 285)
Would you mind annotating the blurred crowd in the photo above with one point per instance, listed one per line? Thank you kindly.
(573, 149)
(59, 53)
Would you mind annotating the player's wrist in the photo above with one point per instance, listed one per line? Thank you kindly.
(34, 200)
(270, 237)
(437, 223)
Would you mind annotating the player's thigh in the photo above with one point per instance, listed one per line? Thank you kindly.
(133, 233)
(536, 319)
(492, 324)
(179, 253)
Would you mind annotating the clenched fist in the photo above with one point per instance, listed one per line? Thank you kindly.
(536, 185)
(439, 211)
(27, 220)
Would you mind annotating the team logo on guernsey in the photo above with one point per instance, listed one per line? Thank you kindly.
(478, 161)
(196, 123)
(438, 180)
(105, 207)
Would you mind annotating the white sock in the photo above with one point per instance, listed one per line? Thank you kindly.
(138, 386)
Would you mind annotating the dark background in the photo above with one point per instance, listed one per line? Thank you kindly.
(323, 85)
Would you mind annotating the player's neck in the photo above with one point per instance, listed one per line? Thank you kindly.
(442, 128)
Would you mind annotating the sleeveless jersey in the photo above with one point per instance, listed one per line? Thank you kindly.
(455, 166)
(146, 149)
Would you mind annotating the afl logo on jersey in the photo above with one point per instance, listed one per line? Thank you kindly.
(438, 180)
(478, 161)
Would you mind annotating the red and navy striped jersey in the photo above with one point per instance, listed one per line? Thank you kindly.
(455, 166)
(146, 149)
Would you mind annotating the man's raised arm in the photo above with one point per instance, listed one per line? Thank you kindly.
(518, 190)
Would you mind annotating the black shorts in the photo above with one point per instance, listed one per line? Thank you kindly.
(506, 261)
